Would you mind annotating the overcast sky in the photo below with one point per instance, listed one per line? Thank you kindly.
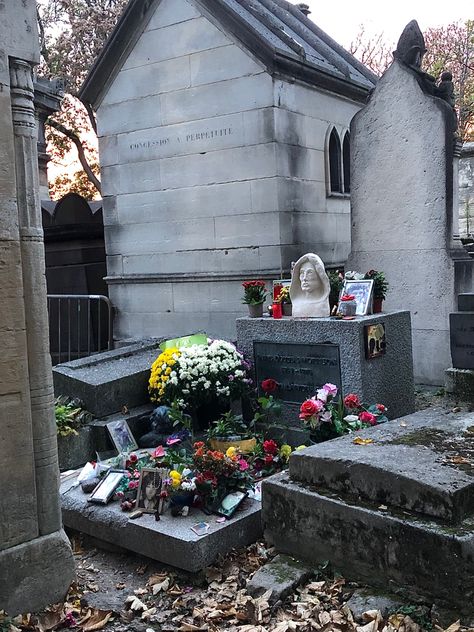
(341, 18)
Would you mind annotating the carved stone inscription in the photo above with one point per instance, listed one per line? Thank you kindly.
(299, 369)
(181, 139)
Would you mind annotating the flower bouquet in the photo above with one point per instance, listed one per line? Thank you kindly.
(179, 488)
(327, 418)
(255, 294)
(198, 375)
(269, 458)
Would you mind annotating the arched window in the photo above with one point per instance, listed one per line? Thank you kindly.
(335, 175)
(346, 162)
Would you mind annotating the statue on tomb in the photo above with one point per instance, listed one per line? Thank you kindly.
(445, 89)
(309, 289)
(410, 51)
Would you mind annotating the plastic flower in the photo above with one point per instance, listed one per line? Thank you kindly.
(230, 452)
(310, 407)
(285, 451)
(269, 386)
(158, 452)
(351, 401)
(243, 465)
(381, 408)
(331, 389)
(270, 447)
(133, 458)
(368, 418)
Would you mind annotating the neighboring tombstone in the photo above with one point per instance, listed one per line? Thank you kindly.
(460, 378)
(36, 562)
(402, 145)
(466, 193)
(310, 288)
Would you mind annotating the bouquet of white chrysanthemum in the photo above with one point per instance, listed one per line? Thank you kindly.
(195, 375)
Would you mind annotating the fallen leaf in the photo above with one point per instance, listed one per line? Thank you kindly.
(454, 627)
(459, 460)
(49, 620)
(163, 586)
(135, 604)
(97, 621)
(125, 410)
(140, 591)
(361, 441)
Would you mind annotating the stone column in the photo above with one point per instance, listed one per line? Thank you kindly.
(34, 284)
(36, 563)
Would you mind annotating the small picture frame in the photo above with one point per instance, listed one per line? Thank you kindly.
(230, 503)
(122, 436)
(363, 291)
(106, 488)
(375, 341)
(149, 489)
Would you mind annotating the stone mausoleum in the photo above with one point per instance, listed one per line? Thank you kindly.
(224, 150)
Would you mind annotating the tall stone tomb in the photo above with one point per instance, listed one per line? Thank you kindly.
(36, 564)
(404, 166)
(217, 121)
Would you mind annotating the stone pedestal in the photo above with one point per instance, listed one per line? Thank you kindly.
(396, 513)
(386, 379)
(459, 380)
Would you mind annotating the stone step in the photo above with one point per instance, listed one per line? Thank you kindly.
(409, 465)
(369, 545)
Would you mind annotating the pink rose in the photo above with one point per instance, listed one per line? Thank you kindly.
(331, 389)
(368, 418)
(159, 452)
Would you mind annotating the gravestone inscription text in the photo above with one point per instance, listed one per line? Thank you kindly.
(299, 369)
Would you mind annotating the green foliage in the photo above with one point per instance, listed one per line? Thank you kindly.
(380, 283)
(70, 416)
(229, 425)
(336, 281)
(418, 614)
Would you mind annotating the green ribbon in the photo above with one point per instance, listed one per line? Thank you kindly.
(186, 341)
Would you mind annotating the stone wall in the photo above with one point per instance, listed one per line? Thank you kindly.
(212, 172)
(31, 539)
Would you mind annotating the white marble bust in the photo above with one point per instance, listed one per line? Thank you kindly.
(309, 289)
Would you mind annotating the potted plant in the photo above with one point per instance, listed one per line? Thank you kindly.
(285, 300)
(231, 431)
(380, 288)
(254, 296)
(327, 418)
(336, 282)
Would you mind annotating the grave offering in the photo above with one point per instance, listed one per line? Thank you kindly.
(310, 287)
(460, 378)
(392, 506)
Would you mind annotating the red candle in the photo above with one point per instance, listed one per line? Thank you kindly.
(277, 311)
(276, 290)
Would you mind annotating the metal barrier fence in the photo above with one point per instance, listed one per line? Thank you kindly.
(79, 325)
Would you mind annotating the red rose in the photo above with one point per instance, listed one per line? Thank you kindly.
(309, 408)
(381, 408)
(368, 418)
(351, 401)
(133, 458)
(269, 385)
(268, 459)
(270, 447)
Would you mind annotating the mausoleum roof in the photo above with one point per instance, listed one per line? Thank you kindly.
(275, 31)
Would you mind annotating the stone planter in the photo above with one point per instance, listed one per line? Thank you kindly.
(242, 445)
(287, 309)
(256, 311)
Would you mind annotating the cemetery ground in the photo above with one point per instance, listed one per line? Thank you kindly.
(120, 591)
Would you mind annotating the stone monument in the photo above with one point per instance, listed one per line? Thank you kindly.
(309, 289)
(402, 199)
(460, 378)
(36, 563)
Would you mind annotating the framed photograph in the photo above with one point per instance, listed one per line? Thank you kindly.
(106, 488)
(149, 488)
(375, 343)
(230, 503)
(121, 436)
(363, 292)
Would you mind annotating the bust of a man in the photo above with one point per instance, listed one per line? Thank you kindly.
(309, 289)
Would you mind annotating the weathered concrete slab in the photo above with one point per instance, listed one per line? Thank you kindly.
(107, 381)
(404, 467)
(282, 575)
(397, 513)
(170, 540)
(460, 383)
(371, 545)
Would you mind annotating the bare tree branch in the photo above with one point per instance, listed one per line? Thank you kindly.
(80, 152)
(91, 115)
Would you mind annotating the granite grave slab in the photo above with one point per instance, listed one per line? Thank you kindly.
(170, 540)
(107, 381)
(397, 512)
(461, 326)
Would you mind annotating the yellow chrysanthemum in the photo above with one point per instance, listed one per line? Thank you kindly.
(230, 452)
(285, 451)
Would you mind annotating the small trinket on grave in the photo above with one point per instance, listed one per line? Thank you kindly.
(136, 514)
(157, 515)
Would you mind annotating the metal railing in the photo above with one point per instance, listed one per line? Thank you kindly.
(79, 325)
